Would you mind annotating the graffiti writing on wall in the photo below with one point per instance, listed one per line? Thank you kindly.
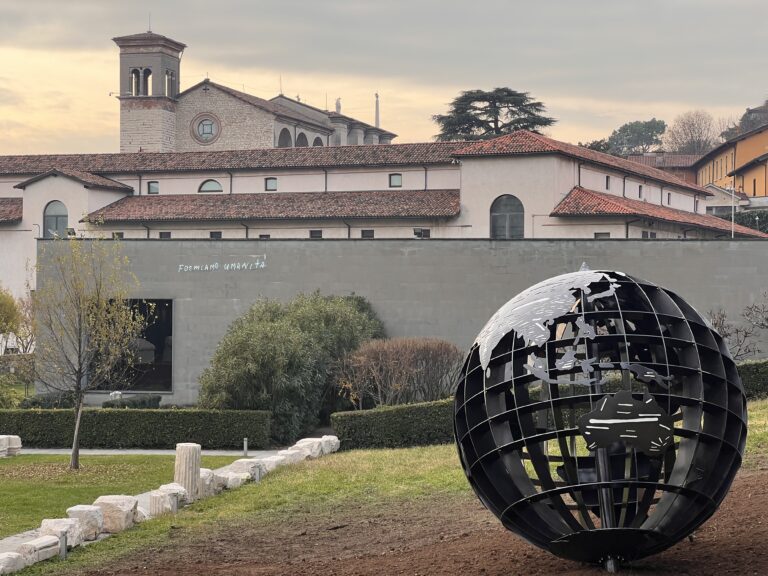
(246, 264)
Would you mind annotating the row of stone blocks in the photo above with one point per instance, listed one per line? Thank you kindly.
(113, 514)
(9, 446)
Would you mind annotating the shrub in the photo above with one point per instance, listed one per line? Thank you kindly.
(754, 377)
(138, 401)
(48, 400)
(212, 429)
(9, 396)
(400, 371)
(396, 426)
(22, 365)
(280, 357)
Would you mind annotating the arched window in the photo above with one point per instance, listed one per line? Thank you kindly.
(210, 186)
(317, 141)
(135, 82)
(55, 220)
(284, 140)
(507, 218)
(301, 140)
(146, 89)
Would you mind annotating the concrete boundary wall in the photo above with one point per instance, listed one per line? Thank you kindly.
(442, 288)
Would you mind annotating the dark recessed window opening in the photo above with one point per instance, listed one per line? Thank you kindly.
(165, 236)
(264, 236)
(421, 233)
(648, 235)
(315, 234)
(210, 186)
(640, 191)
(153, 187)
(507, 218)
(366, 234)
(607, 182)
(117, 235)
(669, 198)
(153, 351)
(215, 235)
(602, 235)
(270, 184)
(395, 180)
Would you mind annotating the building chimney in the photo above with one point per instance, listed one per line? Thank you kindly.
(338, 105)
(377, 110)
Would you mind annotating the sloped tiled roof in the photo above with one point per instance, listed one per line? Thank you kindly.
(280, 206)
(87, 179)
(524, 142)
(583, 202)
(11, 210)
(664, 160)
(425, 153)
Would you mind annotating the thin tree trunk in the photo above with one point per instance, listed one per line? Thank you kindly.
(74, 461)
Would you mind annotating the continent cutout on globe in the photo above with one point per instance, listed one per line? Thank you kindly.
(621, 418)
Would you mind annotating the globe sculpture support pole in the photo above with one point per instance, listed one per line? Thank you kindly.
(600, 417)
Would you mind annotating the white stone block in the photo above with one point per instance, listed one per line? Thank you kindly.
(4, 446)
(293, 455)
(161, 502)
(252, 466)
(91, 520)
(237, 479)
(181, 493)
(272, 462)
(330, 444)
(14, 445)
(219, 482)
(140, 515)
(118, 511)
(58, 526)
(39, 549)
(313, 446)
(205, 486)
(11, 562)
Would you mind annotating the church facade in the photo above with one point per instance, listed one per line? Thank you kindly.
(155, 116)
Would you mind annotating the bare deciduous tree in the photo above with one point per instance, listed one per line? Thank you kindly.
(740, 338)
(85, 326)
(692, 132)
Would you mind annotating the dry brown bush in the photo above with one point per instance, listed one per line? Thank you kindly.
(399, 371)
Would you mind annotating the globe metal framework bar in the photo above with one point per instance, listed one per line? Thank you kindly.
(600, 417)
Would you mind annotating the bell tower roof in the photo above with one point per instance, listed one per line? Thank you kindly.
(148, 39)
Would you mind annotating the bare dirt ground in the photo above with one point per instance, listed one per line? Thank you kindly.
(444, 536)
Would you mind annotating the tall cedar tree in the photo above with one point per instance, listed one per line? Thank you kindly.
(480, 115)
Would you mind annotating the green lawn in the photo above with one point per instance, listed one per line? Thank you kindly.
(368, 477)
(37, 487)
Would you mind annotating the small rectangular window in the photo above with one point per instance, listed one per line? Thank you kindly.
(153, 187)
(264, 236)
(653, 235)
(645, 233)
(421, 233)
(696, 205)
(669, 198)
(315, 234)
(215, 235)
(640, 191)
(270, 184)
(754, 186)
(602, 235)
(117, 235)
(366, 234)
(607, 182)
(165, 236)
(395, 180)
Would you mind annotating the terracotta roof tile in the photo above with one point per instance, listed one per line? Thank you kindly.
(663, 160)
(583, 202)
(11, 210)
(394, 155)
(525, 142)
(280, 206)
(88, 179)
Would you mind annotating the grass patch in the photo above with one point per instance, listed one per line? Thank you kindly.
(40, 486)
(757, 437)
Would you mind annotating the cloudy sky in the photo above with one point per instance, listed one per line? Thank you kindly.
(595, 63)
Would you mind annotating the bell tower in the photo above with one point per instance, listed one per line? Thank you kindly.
(149, 83)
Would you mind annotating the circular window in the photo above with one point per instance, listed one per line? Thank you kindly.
(205, 128)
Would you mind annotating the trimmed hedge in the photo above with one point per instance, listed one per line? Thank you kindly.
(146, 401)
(49, 400)
(754, 377)
(401, 426)
(119, 428)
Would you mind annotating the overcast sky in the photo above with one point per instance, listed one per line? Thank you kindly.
(594, 63)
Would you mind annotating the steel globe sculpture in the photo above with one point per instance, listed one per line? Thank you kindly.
(600, 417)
